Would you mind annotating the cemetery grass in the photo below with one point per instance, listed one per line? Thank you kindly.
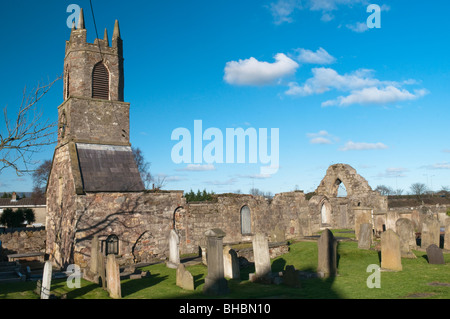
(413, 282)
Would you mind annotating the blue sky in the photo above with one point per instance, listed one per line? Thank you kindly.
(338, 91)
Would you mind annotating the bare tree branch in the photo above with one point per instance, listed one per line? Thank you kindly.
(27, 133)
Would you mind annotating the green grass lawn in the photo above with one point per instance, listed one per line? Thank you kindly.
(412, 282)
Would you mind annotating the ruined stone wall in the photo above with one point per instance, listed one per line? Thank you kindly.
(277, 218)
(21, 242)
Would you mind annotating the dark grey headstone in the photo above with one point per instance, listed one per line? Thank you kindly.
(435, 255)
(291, 277)
(327, 262)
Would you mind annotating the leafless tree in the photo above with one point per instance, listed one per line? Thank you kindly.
(418, 189)
(24, 135)
(143, 167)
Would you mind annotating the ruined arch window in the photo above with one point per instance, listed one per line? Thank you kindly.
(112, 245)
(341, 190)
(246, 221)
(100, 82)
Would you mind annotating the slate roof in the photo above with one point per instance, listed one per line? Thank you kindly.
(107, 168)
(6, 202)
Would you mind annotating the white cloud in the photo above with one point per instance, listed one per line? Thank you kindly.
(352, 146)
(439, 166)
(446, 151)
(392, 172)
(322, 137)
(374, 95)
(320, 140)
(358, 27)
(230, 181)
(197, 168)
(325, 79)
(283, 9)
(331, 5)
(253, 72)
(319, 57)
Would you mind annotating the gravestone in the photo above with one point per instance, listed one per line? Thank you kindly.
(365, 236)
(391, 220)
(174, 250)
(291, 277)
(390, 251)
(431, 232)
(95, 250)
(405, 230)
(435, 255)
(327, 252)
(231, 263)
(362, 216)
(447, 234)
(215, 283)
(113, 277)
(101, 269)
(46, 280)
(185, 279)
(263, 267)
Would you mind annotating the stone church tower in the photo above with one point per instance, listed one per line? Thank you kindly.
(93, 152)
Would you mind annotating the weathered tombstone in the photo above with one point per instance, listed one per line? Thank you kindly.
(365, 236)
(391, 219)
(174, 250)
(101, 269)
(435, 255)
(405, 230)
(327, 252)
(95, 250)
(291, 277)
(215, 283)
(363, 215)
(113, 277)
(390, 251)
(46, 280)
(263, 267)
(231, 263)
(185, 279)
(431, 232)
(447, 234)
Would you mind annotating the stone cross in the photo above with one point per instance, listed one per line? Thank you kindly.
(365, 236)
(174, 250)
(327, 251)
(390, 251)
(231, 263)
(113, 277)
(405, 230)
(431, 232)
(46, 280)
(215, 283)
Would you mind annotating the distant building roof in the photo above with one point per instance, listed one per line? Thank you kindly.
(107, 168)
(7, 202)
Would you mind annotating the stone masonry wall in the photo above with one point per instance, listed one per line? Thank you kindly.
(21, 242)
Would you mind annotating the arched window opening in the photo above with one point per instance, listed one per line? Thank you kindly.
(100, 82)
(246, 221)
(325, 212)
(341, 190)
(112, 245)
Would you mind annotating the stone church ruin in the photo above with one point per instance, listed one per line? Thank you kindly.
(95, 190)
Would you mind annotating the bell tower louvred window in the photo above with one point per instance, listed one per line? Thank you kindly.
(100, 82)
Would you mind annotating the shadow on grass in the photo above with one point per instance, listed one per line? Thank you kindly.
(131, 286)
(198, 281)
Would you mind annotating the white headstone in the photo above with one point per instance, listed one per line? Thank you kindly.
(46, 280)
(174, 250)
